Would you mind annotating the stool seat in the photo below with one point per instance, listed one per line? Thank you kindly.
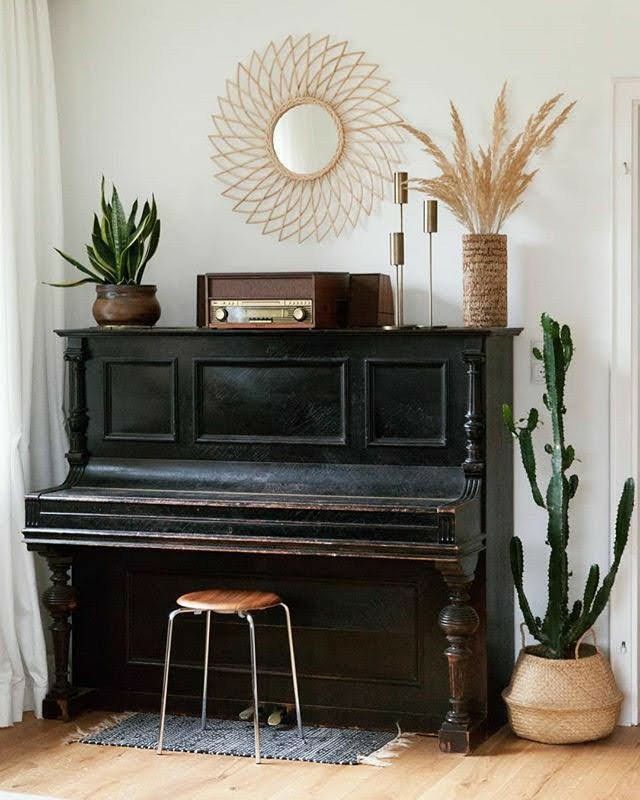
(229, 601)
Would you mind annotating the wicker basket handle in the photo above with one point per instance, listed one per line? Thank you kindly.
(578, 643)
(595, 641)
(523, 625)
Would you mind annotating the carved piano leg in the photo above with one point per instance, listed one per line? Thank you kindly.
(459, 621)
(60, 601)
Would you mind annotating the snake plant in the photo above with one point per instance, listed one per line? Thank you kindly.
(121, 245)
(561, 626)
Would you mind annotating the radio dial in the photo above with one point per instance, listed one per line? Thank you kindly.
(299, 313)
(221, 314)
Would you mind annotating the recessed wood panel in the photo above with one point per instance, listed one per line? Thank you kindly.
(297, 401)
(140, 400)
(407, 403)
(334, 624)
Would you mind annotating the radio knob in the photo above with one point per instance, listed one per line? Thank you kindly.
(221, 314)
(299, 313)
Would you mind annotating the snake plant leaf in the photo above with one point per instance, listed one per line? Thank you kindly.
(137, 233)
(69, 284)
(78, 265)
(104, 253)
(96, 227)
(106, 210)
(131, 222)
(151, 249)
(105, 229)
(118, 226)
(104, 270)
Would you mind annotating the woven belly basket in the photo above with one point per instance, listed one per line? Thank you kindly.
(563, 701)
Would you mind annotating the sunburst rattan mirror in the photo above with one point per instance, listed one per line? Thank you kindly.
(306, 138)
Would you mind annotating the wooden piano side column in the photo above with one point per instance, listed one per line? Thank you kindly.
(59, 598)
(60, 601)
(459, 620)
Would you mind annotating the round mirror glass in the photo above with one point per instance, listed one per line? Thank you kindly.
(305, 138)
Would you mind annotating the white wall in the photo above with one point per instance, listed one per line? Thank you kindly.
(138, 79)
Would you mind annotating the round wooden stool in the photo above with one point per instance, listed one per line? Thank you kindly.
(228, 601)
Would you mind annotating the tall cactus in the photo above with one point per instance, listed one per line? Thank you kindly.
(560, 628)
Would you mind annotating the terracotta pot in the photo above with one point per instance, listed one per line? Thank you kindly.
(126, 305)
(562, 701)
(484, 261)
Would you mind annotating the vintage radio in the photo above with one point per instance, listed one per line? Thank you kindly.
(273, 300)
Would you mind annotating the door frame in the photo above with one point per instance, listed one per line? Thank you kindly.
(624, 384)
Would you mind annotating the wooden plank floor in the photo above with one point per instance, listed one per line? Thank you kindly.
(35, 759)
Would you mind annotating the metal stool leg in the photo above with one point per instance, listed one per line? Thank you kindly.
(203, 722)
(254, 676)
(294, 674)
(167, 663)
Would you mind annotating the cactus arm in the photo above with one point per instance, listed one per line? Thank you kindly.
(623, 521)
(567, 344)
(591, 586)
(525, 440)
(573, 486)
(517, 569)
(575, 613)
(529, 464)
(568, 457)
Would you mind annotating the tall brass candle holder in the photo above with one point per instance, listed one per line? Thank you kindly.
(430, 225)
(396, 242)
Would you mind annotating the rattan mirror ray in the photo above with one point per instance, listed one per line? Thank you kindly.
(301, 71)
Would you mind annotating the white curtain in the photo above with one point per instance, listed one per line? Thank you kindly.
(31, 431)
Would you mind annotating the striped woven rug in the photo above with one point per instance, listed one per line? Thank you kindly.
(235, 738)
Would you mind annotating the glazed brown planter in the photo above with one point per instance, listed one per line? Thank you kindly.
(484, 260)
(126, 306)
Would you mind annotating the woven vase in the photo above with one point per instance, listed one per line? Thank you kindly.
(484, 259)
(563, 701)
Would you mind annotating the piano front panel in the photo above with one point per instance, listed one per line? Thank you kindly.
(368, 649)
(406, 403)
(295, 401)
(140, 399)
(332, 397)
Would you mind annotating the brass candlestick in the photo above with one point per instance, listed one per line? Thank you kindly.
(396, 242)
(430, 224)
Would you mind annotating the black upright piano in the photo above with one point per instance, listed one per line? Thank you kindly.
(365, 475)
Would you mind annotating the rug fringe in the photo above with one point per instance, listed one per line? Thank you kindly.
(107, 722)
(383, 756)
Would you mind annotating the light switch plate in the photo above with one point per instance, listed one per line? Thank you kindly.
(536, 368)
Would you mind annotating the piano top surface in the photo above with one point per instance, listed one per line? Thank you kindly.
(191, 331)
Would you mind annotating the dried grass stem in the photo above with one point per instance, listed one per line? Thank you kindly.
(483, 188)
